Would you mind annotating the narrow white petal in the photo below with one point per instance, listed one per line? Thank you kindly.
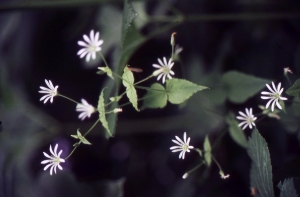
(165, 61)
(179, 140)
(245, 126)
(47, 166)
(160, 62)
(278, 105)
(283, 98)
(270, 88)
(273, 105)
(263, 92)
(156, 66)
(268, 104)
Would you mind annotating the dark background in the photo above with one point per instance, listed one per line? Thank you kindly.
(40, 42)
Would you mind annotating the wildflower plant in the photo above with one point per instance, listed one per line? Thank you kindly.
(176, 91)
(236, 87)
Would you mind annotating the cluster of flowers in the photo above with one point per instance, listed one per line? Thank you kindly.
(91, 45)
(274, 97)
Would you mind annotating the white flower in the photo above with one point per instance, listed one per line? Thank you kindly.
(91, 45)
(183, 146)
(185, 175)
(85, 109)
(274, 95)
(164, 69)
(178, 49)
(287, 70)
(248, 119)
(54, 160)
(50, 92)
(225, 176)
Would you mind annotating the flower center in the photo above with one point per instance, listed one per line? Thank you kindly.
(185, 147)
(277, 96)
(166, 70)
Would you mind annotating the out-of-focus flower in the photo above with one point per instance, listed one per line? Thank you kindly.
(85, 109)
(185, 175)
(50, 92)
(90, 46)
(287, 70)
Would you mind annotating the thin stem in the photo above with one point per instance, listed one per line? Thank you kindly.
(103, 59)
(289, 80)
(143, 80)
(91, 128)
(84, 136)
(172, 57)
(68, 98)
(195, 168)
(71, 152)
(219, 138)
(216, 163)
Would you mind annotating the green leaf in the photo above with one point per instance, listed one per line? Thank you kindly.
(294, 90)
(179, 90)
(240, 86)
(236, 133)
(261, 169)
(128, 81)
(207, 151)
(287, 188)
(105, 70)
(156, 97)
(102, 118)
(128, 16)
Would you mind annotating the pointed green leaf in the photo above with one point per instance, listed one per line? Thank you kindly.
(128, 81)
(240, 86)
(84, 141)
(287, 188)
(155, 97)
(74, 136)
(179, 90)
(128, 16)
(294, 90)
(78, 133)
(102, 118)
(207, 151)
(236, 133)
(261, 169)
(131, 38)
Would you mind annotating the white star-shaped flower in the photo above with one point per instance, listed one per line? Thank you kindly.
(274, 95)
(247, 119)
(50, 92)
(183, 146)
(54, 160)
(85, 109)
(164, 69)
(90, 46)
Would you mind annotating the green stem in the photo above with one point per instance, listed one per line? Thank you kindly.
(195, 168)
(71, 152)
(84, 136)
(216, 162)
(143, 80)
(103, 59)
(289, 80)
(91, 128)
(67, 98)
